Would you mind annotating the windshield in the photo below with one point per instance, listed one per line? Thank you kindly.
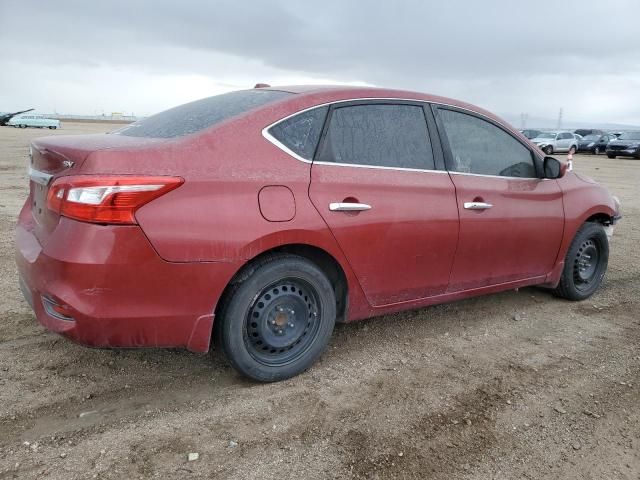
(630, 136)
(195, 116)
(547, 135)
(591, 137)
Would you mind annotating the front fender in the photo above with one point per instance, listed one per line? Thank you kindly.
(582, 199)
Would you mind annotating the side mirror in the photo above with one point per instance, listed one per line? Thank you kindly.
(553, 168)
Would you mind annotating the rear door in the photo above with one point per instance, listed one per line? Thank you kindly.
(387, 199)
(511, 221)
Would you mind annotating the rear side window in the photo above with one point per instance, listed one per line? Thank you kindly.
(301, 133)
(479, 147)
(195, 116)
(378, 135)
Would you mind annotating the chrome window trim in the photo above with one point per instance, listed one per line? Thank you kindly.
(378, 167)
(39, 177)
(270, 138)
(498, 176)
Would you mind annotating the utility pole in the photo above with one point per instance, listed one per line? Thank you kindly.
(560, 119)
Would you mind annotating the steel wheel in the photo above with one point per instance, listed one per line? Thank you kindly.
(282, 322)
(277, 319)
(596, 151)
(585, 263)
(548, 149)
(585, 267)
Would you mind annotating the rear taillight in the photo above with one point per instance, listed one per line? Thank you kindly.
(106, 199)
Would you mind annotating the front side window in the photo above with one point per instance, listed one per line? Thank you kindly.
(384, 135)
(479, 147)
(301, 133)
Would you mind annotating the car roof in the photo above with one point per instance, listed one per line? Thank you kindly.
(333, 93)
(357, 92)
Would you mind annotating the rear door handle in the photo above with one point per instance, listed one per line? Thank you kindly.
(477, 205)
(348, 207)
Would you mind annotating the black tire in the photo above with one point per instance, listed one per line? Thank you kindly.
(597, 151)
(277, 319)
(53, 127)
(22, 125)
(583, 274)
(611, 155)
(548, 150)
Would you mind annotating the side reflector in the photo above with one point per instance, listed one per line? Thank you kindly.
(106, 199)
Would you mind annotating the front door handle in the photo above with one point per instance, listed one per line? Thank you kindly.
(477, 205)
(348, 207)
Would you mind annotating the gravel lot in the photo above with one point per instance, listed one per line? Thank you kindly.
(513, 385)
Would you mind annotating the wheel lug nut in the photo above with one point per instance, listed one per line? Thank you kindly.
(273, 322)
(290, 325)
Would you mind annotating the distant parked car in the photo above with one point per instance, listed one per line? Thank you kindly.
(556, 142)
(595, 143)
(36, 121)
(626, 145)
(588, 131)
(530, 133)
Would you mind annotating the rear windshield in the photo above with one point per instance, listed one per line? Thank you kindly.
(195, 116)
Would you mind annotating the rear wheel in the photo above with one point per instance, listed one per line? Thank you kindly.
(597, 151)
(585, 263)
(611, 155)
(22, 125)
(548, 149)
(276, 321)
(52, 127)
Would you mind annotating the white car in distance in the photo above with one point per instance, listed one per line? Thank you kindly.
(35, 121)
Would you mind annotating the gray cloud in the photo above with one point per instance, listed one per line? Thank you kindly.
(508, 56)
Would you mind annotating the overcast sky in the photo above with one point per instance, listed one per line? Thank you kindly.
(90, 57)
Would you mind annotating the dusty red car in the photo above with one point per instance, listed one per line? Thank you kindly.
(259, 218)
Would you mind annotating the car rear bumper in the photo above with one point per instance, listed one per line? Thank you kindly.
(113, 289)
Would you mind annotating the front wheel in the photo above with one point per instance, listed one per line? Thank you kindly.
(52, 127)
(278, 319)
(611, 155)
(548, 149)
(22, 125)
(585, 263)
(597, 151)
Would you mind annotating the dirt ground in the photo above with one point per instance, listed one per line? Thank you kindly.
(507, 386)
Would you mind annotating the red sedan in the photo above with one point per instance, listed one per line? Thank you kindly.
(259, 218)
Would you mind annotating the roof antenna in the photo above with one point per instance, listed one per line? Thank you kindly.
(262, 85)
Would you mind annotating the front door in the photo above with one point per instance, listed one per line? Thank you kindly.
(394, 215)
(511, 221)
